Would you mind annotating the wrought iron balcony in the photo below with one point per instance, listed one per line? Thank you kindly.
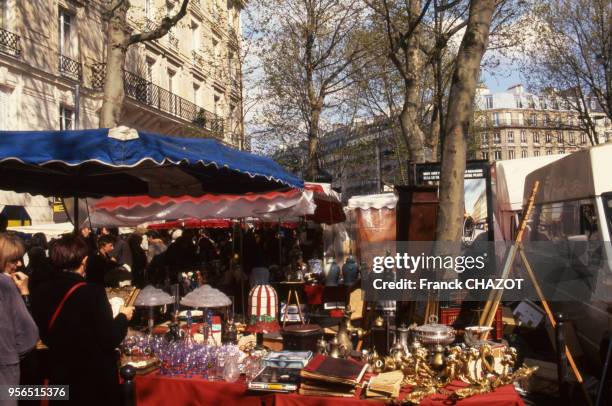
(145, 92)
(70, 68)
(10, 43)
(195, 3)
(150, 25)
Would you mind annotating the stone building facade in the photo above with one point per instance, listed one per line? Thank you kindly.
(52, 55)
(516, 124)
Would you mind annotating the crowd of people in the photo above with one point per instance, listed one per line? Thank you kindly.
(53, 293)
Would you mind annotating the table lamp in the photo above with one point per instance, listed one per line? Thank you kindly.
(263, 308)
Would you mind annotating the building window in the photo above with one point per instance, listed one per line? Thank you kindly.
(521, 119)
(485, 139)
(495, 119)
(519, 102)
(562, 151)
(510, 137)
(485, 155)
(510, 154)
(523, 136)
(524, 153)
(4, 105)
(149, 73)
(543, 105)
(66, 118)
(531, 102)
(549, 151)
(65, 32)
(4, 14)
(536, 137)
(497, 155)
(571, 138)
(489, 102)
(548, 138)
(560, 137)
(583, 138)
(496, 138)
(555, 104)
(533, 119)
(149, 10)
(196, 94)
(195, 37)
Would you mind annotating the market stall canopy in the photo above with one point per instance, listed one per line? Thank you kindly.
(123, 162)
(367, 202)
(329, 206)
(144, 209)
(317, 202)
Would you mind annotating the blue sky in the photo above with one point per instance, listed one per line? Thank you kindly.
(504, 76)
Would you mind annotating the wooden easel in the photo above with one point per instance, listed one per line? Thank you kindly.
(495, 296)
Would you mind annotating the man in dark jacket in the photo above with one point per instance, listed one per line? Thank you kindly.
(101, 263)
(83, 336)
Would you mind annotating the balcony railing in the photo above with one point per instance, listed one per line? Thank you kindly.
(145, 92)
(70, 68)
(10, 43)
(150, 25)
(195, 3)
(541, 123)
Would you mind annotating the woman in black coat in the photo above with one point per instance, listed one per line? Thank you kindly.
(82, 335)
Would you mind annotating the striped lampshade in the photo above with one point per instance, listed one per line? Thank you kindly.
(263, 308)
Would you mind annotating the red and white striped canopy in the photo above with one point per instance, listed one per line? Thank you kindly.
(317, 202)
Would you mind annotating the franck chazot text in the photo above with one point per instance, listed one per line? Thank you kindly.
(455, 284)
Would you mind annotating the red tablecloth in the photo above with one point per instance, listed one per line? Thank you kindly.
(154, 390)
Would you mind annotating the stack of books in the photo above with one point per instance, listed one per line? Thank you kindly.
(326, 376)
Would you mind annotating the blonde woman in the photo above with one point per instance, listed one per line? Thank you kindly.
(18, 332)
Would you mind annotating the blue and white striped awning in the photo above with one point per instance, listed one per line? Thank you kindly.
(124, 162)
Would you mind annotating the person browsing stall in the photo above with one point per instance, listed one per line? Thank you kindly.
(76, 323)
(18, 332)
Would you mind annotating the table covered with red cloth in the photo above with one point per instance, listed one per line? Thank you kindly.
(157, 390)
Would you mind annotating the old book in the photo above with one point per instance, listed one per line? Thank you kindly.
(386, 384)
(308, 392)
(321, 386)
(337, 370)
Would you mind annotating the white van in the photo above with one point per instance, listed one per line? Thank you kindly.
(573, 215)
(508, 181)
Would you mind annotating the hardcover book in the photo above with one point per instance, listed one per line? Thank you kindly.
(337, 370)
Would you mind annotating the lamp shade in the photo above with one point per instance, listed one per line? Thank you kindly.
(263, 308)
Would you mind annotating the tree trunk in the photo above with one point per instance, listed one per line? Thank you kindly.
(313, 144)
(413, 135)
(462, 92)
(116, 50)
